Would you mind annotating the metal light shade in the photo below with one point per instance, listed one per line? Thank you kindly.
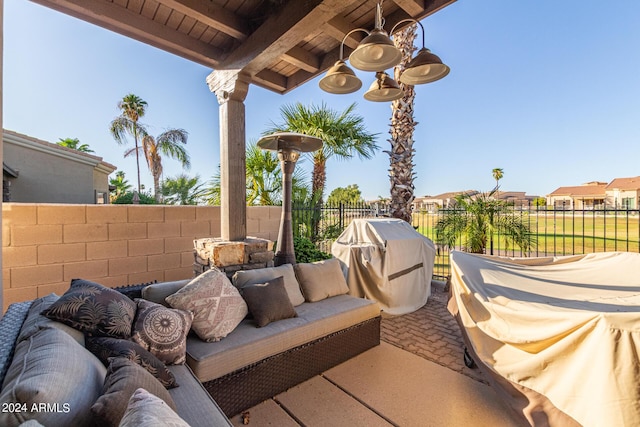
(383, 89)
(375, 52)
(340, 79)
(424, 68)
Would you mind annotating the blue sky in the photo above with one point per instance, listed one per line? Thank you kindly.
(547, 90)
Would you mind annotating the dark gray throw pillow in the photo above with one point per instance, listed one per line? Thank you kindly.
(94, 309)
(268, 301)
(123, 378)
(105, 347)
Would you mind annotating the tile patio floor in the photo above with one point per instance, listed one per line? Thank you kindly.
(416, 377)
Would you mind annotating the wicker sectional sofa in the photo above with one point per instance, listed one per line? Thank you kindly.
(219, 379)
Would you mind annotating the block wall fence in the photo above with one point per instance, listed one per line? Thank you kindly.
(44, 246)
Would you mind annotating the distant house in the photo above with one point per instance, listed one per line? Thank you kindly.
(444, 200)
(623, 193)
(448, 200)
(591, 195)
(38, 171)
(517, 198)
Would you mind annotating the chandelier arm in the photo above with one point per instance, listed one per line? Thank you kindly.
(344, 39)
(409, 20)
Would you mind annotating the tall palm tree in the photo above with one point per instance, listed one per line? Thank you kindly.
(263, 179)
(121, 185)
(182, 190)
(477, 218)
(132, 109)
(343, 134)
(169, 143)
(401, 172)
(498, 173)
(74, 144)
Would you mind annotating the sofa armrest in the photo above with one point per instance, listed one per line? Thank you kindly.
(10, 326)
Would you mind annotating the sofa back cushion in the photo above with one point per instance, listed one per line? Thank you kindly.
(51, 368)
(36, 321)
(321, 280)
(262, 275)
(159, 291)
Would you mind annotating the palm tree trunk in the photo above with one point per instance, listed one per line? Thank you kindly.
(318, 178)
(402, 126)
(318, 181)
(156, 186)
(135, 137)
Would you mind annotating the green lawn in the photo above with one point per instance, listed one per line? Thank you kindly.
(557, 233)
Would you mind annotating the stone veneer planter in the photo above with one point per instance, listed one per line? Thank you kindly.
(229, 256)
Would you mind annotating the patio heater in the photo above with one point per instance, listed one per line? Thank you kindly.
(289, 146)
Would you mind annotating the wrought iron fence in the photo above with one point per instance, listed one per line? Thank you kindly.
(555, 230)
(323, 224)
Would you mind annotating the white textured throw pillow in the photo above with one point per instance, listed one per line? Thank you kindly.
(216, 305)
(147, 410)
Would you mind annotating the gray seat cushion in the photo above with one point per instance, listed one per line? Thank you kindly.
(248, 344)
(194, 404)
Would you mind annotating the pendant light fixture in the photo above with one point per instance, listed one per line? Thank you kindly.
(383, 89)
(425, 67)
(377, 52)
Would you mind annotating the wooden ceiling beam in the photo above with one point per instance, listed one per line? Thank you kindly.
(338, 27)
(298, 78)
(412, 7)
(123, 21)
(302, 59)
(271, 80)
(281, 32)
(212, 15)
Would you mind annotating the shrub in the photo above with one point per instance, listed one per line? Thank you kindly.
(307, 252)
(127, 199)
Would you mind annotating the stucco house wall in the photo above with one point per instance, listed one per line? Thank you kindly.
(49, 173)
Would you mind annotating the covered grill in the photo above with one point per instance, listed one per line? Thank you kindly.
(387, 261)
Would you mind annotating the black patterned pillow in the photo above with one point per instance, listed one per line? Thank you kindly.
(105, 347)
(94, 309)
(162, 331)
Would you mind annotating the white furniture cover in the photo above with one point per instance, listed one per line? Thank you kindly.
(387, 261)
(567, 328)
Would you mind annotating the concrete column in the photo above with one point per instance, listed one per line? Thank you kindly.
(231, 89)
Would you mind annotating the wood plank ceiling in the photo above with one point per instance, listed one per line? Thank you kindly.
(278, 44)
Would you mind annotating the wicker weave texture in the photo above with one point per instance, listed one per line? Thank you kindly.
(251, 385)
(10, 326)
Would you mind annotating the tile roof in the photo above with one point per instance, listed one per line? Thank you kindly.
(597, 189)
(632, 183)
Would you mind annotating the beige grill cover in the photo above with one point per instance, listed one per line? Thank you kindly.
(565, 327)
(387, 261)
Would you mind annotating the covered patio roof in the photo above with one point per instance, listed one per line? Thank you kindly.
(275, 44)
